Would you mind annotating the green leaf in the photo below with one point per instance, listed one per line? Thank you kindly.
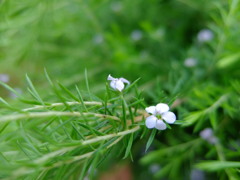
(129, 146)
(10, 89)
(139, 101)
(124, 118)
(213, 119)
(217, 165)
(228, 61)
(193, 117)
(48, 77)
(4, 102)
(132, 84)
(68, 92)
(150, 139)
(97, 133)
(33, 91)
(85, 168)
(131, 114)
(87, 85)
(81, 98)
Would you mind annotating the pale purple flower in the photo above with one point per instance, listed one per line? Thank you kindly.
(160, 116)
(207, 134)
(190, 62)
(117, 83)
(4, 78)
(205, 35)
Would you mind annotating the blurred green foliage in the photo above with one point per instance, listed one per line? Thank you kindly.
(131, 39)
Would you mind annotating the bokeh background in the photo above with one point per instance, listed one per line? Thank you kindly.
(159, 41)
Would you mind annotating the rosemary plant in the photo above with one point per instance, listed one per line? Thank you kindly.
(68, 138)
(178, 121)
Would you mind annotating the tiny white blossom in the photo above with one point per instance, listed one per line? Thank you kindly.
(207, 134)
(117, 83)
(160, 115)
(205, 35)
(136, 35)
(190, 62)
(4, 78)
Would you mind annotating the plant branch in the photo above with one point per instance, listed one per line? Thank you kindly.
(15, 117)
(62, 104)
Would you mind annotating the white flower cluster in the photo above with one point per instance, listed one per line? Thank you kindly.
(160, 116)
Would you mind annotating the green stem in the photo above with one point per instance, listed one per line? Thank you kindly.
(15, 117)
(221, 157)
(124, 105)
(62, 104)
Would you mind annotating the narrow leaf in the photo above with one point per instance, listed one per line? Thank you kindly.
(129, 146)
(150, 139)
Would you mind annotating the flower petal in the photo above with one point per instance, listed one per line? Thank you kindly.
(169, 117)
(110, 78)
(160, 125)
(151, 110)
(124, 80)
(162, 108)
(119, 85)
(151, 122)
(113, 84)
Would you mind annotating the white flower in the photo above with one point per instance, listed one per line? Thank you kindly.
(207, 134)
(160, 115)
(190, 62)
(117, 83)
(205, 35)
